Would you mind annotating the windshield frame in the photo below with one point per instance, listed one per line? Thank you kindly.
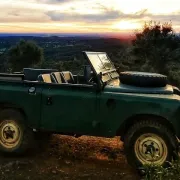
(105, 70)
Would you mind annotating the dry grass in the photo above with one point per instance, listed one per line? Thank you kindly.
(71, 158)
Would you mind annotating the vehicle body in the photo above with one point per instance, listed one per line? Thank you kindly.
(97, 106)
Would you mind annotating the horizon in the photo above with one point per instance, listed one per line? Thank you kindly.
(99, 35)
(80, 16)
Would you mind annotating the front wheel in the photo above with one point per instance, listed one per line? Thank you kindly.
(149, 142)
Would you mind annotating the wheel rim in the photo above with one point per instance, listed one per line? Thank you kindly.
(150, 148)
(10, 134)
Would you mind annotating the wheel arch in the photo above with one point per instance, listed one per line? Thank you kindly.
(7, 105)
(140, 117)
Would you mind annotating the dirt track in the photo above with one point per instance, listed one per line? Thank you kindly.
(85, 158)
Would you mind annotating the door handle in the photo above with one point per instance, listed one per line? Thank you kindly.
(49, 100)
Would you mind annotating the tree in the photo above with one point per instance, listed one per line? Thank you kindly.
(25, 54)
(157, 49)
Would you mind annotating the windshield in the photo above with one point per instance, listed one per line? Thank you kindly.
(102, 64)
(106, 62)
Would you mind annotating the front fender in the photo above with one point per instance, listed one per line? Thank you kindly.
(128, 106)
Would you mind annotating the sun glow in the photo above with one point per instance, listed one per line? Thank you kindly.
(126, 25)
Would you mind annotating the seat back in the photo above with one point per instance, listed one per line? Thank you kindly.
(59, 77)
(32, 74)
(68, 77)
(46, 78)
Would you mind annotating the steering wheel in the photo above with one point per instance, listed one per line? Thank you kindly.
(91, 80)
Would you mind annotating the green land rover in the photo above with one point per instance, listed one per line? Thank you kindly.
(141, 108)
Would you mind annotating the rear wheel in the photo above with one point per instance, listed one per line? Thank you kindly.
(149, 142)
(15, 137)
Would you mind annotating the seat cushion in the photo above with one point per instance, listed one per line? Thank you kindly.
(68, 77)
(59, 77)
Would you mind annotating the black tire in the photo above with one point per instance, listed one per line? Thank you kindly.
(25, 136)
(143, 128)
(142, 79)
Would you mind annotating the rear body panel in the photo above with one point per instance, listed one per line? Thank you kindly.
(16, 94)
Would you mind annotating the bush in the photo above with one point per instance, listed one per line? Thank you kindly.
(25, 54)
(155, 172)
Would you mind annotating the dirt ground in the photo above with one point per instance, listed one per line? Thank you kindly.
(84, 158)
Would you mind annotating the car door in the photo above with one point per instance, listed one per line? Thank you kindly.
(69, 108)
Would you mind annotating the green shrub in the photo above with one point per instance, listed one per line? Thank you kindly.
(155, 172)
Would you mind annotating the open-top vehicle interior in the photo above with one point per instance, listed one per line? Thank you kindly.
(99, 66)
(57, 77)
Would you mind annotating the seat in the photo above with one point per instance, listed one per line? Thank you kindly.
(47, 78)
(68, 77)
(31, 74)
(59, 77)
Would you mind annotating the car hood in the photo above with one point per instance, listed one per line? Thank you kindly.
(122, 88)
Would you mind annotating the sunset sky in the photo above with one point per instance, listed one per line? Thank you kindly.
(84, 16)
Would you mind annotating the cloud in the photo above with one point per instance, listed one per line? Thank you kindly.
(170, 17)
(54, 1)
(22, 15)
(108, 15)
(75, 17)
(105, 16)
(174, 18)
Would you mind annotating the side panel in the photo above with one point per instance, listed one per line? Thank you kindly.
(17, 95)
(69, 109)
(118, 107)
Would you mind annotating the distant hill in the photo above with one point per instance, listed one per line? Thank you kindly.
(63, 48)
